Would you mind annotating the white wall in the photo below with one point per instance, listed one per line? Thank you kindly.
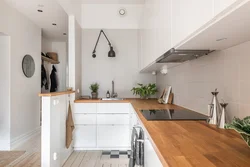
(123, 69)
(75, 52)
(227, 70)
(25, 38)
(46, 45)
(5, 92)
(106, 16)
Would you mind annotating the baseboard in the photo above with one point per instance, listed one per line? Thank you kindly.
(17, 141)
(4, 145)
(67, 156)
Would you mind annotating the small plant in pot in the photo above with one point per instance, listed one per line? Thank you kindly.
(145, 91)
(94, 88)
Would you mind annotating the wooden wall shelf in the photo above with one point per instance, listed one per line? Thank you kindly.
(50, 60)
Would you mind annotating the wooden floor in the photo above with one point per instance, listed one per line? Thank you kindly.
(95, 159)
(32, 157)
(77, 159)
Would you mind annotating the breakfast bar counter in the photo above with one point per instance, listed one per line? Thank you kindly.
(189, 143)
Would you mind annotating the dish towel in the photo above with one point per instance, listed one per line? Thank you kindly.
(69, 128)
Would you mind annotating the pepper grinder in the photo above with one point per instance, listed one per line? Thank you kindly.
(222, 115)
(214, 109)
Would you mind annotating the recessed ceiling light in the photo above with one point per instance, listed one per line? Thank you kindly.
(64, 33)
(122, 12)
(221, 39)
(54, 24)
(39, 10)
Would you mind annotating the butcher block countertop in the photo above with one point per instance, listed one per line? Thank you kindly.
(189, 143)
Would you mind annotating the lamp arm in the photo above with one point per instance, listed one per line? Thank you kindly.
(106, 37)
(97, 41)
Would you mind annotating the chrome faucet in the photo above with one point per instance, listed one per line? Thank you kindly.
(113, 94)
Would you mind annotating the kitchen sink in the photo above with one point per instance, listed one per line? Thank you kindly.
(112, 99)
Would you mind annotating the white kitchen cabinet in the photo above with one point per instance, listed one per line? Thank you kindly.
(189, 16)
(85, 136)
(86, 119)
(102, 125)
(151, 158)
(221, 5)
(163, 28)
(85, 108)
(113, 136)
(113, 108)
(113, 119)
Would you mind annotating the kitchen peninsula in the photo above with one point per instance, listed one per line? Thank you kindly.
(186, 143)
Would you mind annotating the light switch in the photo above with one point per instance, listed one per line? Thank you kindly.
(55, 156)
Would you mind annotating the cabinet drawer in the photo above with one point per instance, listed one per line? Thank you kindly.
(85, 136)
(113, 119)
(113, 108)
(85, 107)
(86, 119)
(116, 136)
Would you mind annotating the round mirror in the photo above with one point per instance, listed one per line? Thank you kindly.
(28, 66)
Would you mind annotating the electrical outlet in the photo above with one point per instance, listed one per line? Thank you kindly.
(55, 156)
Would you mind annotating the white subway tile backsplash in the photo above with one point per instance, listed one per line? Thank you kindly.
(227, 70)
(232, 111)
(244, 92)
(244, 110)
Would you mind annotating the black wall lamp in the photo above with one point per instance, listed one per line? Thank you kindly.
(111, 52)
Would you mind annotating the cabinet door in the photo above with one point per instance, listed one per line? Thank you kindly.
(189, 16)
(116, 136)
(151, 158)
(113, 119)
(164, 32)
(221, 5)
(86, 119)
(85, 136)
(85, 108)
(113, 108)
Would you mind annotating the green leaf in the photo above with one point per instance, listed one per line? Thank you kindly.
(242, 127)
(144, 90)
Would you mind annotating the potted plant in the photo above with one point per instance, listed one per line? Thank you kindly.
(144, 90)
(242, 127)
(94, 88)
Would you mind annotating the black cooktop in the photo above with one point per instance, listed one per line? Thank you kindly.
(171, 114)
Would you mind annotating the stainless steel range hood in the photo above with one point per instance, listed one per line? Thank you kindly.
(179, 56)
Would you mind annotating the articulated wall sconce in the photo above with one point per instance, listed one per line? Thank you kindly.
(111, 52)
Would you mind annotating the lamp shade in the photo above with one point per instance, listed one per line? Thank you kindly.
(111, 52)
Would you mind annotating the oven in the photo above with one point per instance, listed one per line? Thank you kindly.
(137, 147)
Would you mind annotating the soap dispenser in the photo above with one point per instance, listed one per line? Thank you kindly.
(108, 94)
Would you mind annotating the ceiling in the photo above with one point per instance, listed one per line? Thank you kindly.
(108, 1)
(52, 13)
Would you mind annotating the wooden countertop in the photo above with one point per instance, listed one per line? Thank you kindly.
(190, 143)
(55, 93)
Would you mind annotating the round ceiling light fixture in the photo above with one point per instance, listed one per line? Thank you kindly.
(122, 12)
(39, 10)
(54, 24)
